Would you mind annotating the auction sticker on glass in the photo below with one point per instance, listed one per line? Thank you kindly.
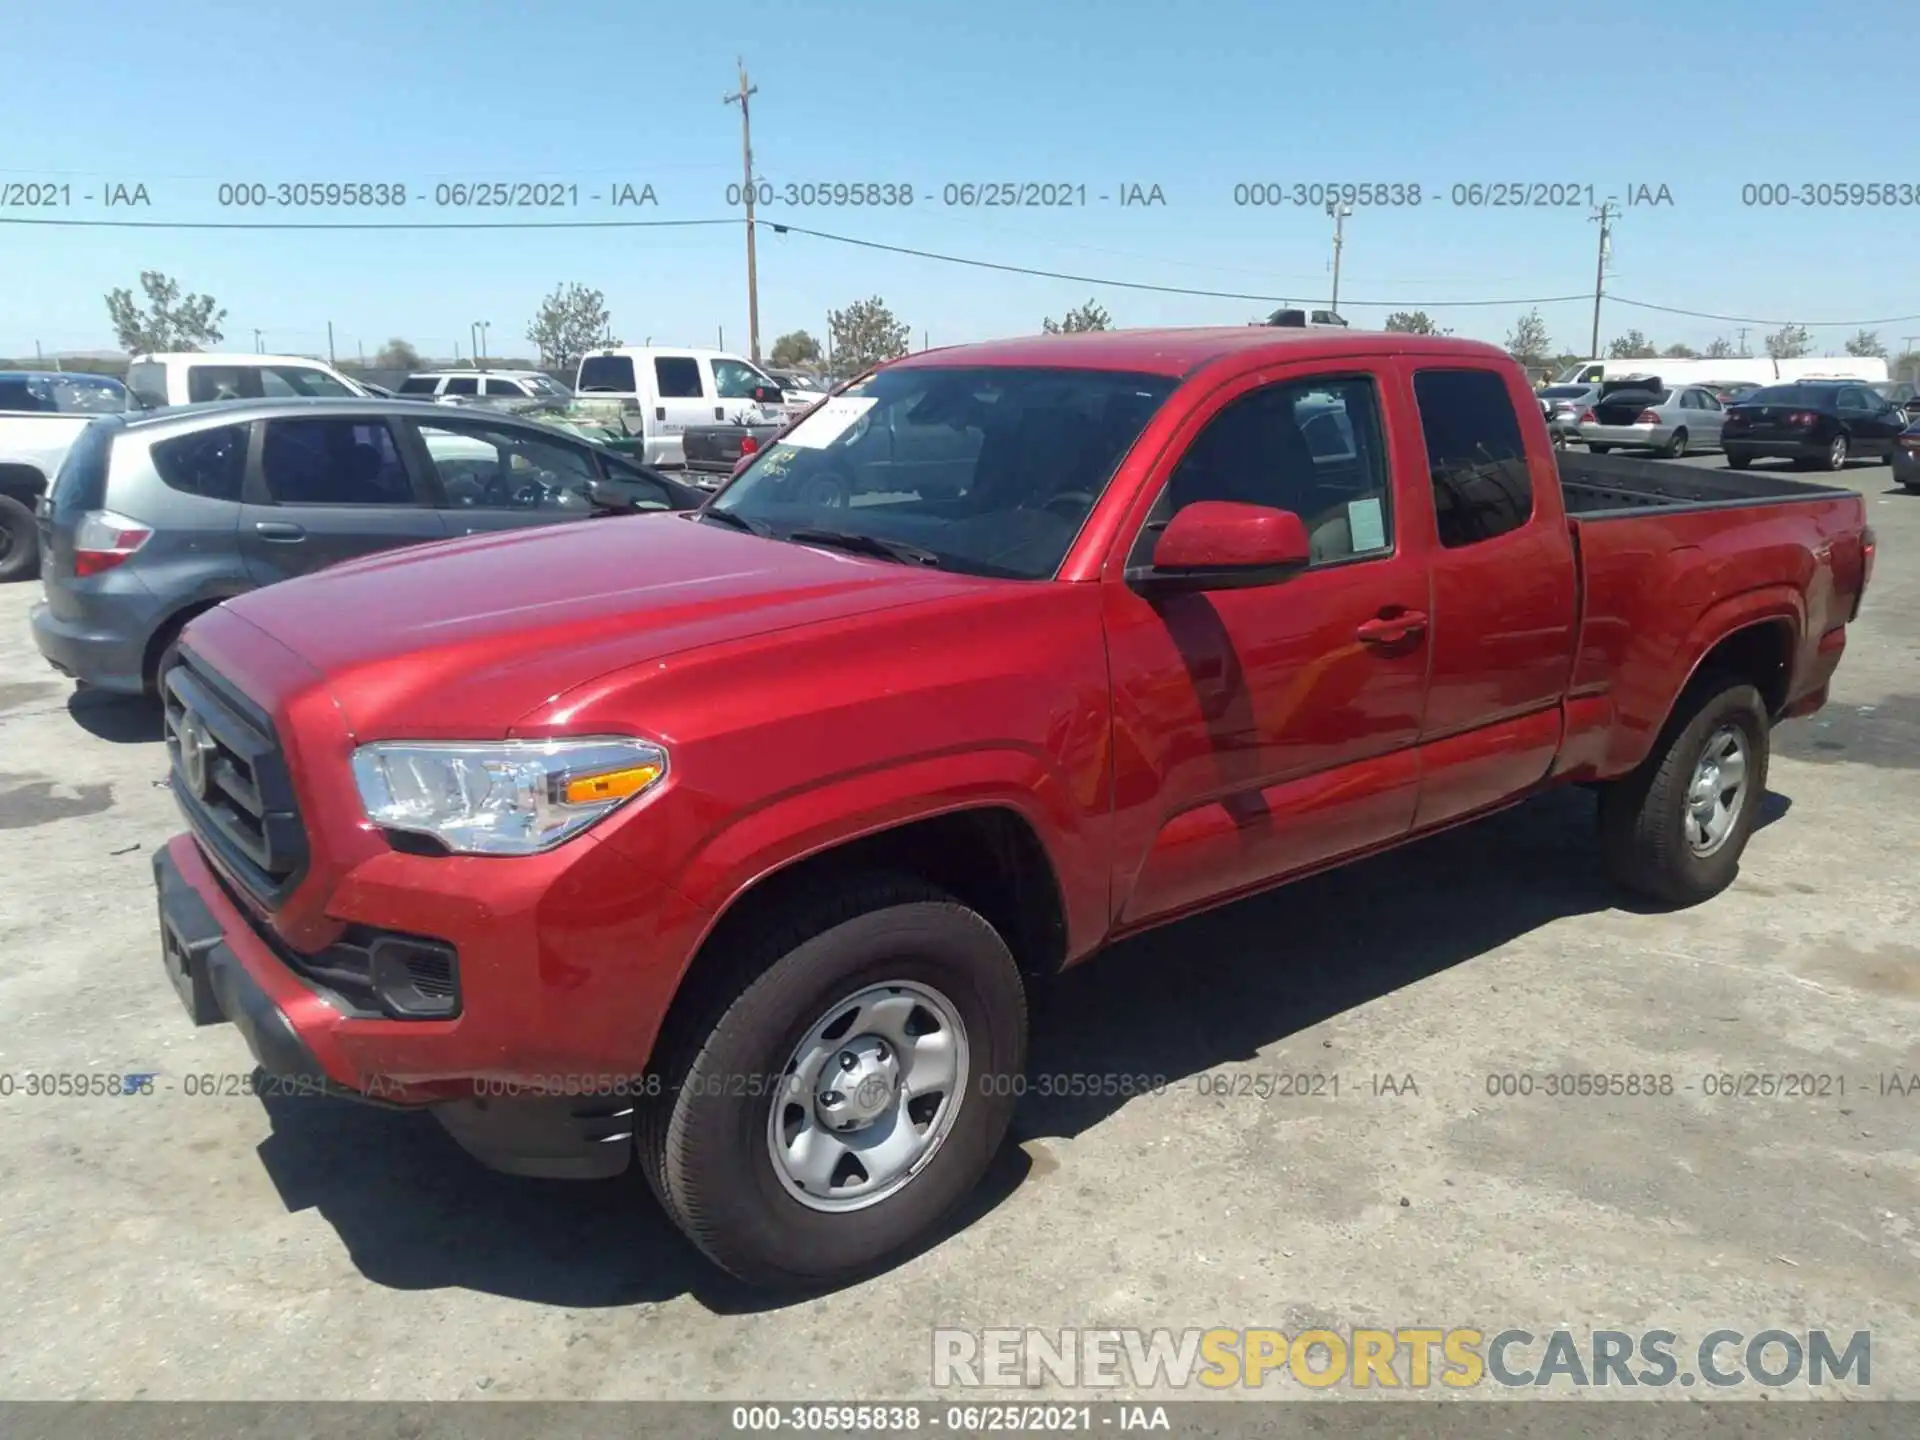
(827, 424)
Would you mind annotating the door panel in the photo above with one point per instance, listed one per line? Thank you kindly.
(1266, 730)
(325, 490)
(1503, 598)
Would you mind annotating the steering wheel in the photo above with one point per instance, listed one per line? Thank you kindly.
(830, 487)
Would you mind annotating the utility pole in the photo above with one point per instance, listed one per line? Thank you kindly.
(1339, 213)
(746, 154)
(473, 339)
(1743, 342)
(330, 359)
(1906, 348)
(1605, 215)
(256, 341)
(38, 358)
(486, 342)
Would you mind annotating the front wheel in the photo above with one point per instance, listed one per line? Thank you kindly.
(1674, 830)
(850, 1093)
(19, 540)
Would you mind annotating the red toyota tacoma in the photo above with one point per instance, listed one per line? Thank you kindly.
(733, 841)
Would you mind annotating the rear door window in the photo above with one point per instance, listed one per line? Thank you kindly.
(207, 463)
(282, 381)
(207, 383)
(607, 374)
(678, 377)
(1476, 461)
(333, 461)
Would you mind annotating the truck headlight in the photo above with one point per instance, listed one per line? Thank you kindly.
(508, 797)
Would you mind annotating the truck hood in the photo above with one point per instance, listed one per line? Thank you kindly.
(463, 639)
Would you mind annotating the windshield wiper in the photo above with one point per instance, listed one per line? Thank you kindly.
(857, 544)
(739, 522)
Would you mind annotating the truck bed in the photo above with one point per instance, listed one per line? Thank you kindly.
(1600, 486)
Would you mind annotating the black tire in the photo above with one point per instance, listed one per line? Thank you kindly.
(169, 656)
(1642, 815)
(1598, 449)
(1738, 460)
(703, 1145)
(19, 541)
(1675, 447)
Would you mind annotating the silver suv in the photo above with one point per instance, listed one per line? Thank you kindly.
(156, 517)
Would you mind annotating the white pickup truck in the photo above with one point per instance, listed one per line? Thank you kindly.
(42, 413)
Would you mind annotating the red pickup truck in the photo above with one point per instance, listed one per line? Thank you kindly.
(733, 841)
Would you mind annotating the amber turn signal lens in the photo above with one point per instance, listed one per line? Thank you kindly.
(613, 785)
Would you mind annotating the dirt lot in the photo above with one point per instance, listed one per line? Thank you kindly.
(191, 1246)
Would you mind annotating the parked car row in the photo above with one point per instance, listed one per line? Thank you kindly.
(1814, 423)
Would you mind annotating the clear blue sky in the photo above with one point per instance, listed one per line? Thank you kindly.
(1192, 97)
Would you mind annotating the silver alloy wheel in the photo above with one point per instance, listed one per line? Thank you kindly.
(1837, 453)
(1717, 791)
(1678, 445)
(869, 1095)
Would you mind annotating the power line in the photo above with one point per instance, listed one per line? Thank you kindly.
(782, 228)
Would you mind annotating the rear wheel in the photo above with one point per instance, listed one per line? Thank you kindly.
(1675, 829)
(19, 540)
(853, 1087)
(1738, 459)
(1598, 449)
(1837, 453)
(1677, 446)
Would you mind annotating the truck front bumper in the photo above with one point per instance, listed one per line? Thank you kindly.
(515, 1077)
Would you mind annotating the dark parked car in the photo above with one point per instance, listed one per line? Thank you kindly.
(157, 516)
(1822, 423)
(1906, 457)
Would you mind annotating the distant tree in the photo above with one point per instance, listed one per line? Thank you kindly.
(172, 321)
(1414, 322)
(1866, 342)
(794, 349)
(1680, 352)
(1090, 316)
(864, 334)
(1631, 346)
(397, 354)
(1789, 342)
(1527, 342)
(1720, 349)
(572, 321)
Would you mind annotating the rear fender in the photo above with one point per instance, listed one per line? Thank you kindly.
(1781, 605)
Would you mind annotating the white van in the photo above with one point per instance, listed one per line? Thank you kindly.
(194, 377)
(659, 392)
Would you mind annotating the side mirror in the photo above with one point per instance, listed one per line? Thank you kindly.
(1224, 545)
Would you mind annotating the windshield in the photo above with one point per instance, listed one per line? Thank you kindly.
(989, 470)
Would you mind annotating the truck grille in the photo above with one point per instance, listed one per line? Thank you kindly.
(232, 782)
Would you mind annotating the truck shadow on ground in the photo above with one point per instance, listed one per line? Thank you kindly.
(415, 1213)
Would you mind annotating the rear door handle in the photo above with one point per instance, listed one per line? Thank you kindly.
(1392, 629)
(282, 530)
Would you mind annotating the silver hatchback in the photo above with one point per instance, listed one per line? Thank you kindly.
(154, 518)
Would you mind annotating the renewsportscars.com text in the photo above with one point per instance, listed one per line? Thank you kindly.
(1414, 1357)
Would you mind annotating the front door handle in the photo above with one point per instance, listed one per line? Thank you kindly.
(282, 530)
(1392, 629)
